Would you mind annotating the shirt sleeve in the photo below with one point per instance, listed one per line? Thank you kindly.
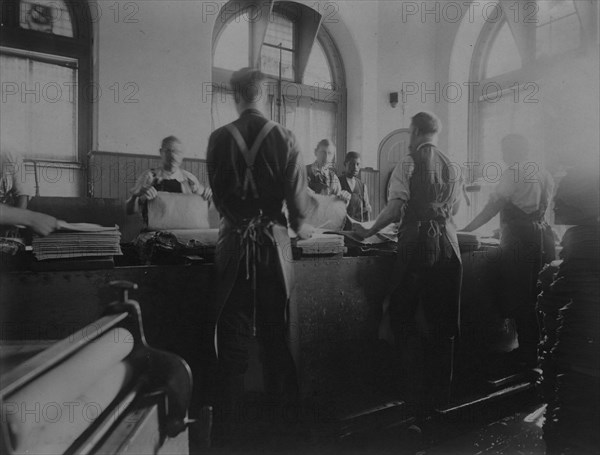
(296, 194)
(195, 186)
(399, 186)
(336, 186)
(505, 188)
(145, 179)
(13, 173)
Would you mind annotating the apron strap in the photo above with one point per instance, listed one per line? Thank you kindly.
(250, 155)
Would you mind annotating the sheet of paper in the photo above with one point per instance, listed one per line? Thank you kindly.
(84, 227)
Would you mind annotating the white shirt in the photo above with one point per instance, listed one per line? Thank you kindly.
(524, 186)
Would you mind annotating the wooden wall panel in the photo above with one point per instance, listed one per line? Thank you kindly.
(112, 175)
(370, 177)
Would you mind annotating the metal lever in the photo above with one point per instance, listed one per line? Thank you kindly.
(124, 287)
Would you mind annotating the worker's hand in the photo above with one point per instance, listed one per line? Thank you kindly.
(305, 231)
(40, 223)
(207, 194)
(148, 194)
(344, 196)
(360, 230)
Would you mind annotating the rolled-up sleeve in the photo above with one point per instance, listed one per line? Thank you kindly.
(296, 184)
(399, 186)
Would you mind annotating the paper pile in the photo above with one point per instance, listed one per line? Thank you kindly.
(78, 240)
(321, 243)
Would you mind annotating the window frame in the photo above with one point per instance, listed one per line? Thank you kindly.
(532, 70)
(337, 94)
(79, 48)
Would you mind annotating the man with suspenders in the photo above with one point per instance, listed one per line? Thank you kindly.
(254, 166)
(423, 197)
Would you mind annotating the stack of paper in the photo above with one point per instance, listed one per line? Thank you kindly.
(321, 243)
(78, 240)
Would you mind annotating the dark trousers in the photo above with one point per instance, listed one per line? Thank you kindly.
(234, 333)
(424, 312)
(525, 247)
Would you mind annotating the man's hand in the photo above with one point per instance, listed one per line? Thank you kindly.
(207, 194)
(305, 231)
(41, 223)
(360, 231)
(147, 194)
(344, 196)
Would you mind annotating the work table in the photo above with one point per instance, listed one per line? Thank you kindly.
(335, 313)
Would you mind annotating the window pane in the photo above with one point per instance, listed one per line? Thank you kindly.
(280, 31)
(504, 55)
(223, 106)
(558, 36)
(311, 121)
(269, 62)
(498, 119)
(317, 70)
(49, 16)
(233, 51)
(551, 10)
(40, 119)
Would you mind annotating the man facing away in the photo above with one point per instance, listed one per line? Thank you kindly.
(254, 166)
(423, 196)
(526, 240)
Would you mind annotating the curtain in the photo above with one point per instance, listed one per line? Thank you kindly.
(39, 108)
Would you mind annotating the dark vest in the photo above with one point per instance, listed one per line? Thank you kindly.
(318, 182)
(433, 192)
(433, 187)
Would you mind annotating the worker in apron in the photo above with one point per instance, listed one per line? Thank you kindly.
(254, 166)
(170, 178)
(425, 282)
(526, 240)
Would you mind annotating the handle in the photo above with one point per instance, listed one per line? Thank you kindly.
(123, 287)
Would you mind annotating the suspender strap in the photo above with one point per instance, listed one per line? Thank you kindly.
(250, 155)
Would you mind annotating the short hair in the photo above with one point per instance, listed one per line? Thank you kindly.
(167, 141)
(324, 143)
(246, 84)
(515, 144)
(351, 156)
(426, 123)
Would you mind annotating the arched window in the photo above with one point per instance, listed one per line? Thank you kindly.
(45, 69)
(307, 70)
(510, 69)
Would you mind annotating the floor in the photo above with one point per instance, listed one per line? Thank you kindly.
(514, 427)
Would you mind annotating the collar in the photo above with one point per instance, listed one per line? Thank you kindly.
(252, 111)
(322, 170)
(161, 174)
(424, 144)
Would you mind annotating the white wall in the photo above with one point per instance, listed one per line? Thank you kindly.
(159, 55)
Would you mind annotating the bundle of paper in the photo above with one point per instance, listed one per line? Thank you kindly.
(387, 234)
(322, 243)
(468, 241)
(78, 240)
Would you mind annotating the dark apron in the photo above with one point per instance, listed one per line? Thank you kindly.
(527, 243)
(240, 242)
